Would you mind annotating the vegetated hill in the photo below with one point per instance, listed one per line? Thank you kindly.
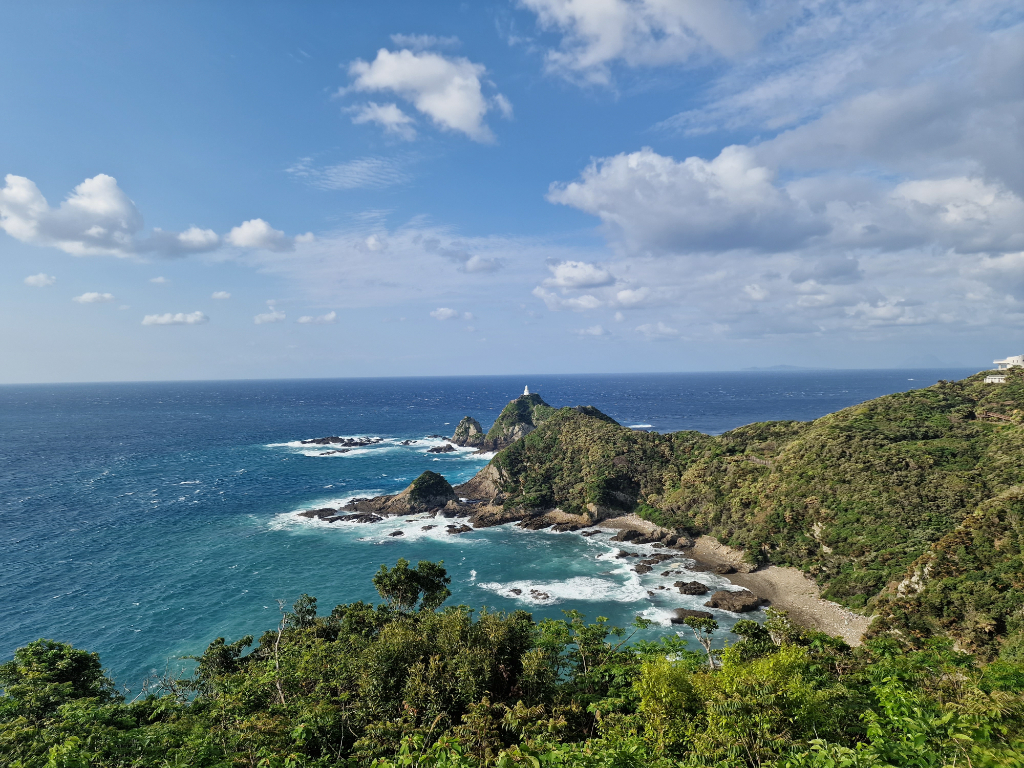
(517, 419)
(862, 499)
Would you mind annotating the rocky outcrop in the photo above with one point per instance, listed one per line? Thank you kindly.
(483, 486)
(429, 492)
(446, 448)
(319, 514)
(348, 442)
(737, 602)
(469, 433)
(691, 588)
(682, 614)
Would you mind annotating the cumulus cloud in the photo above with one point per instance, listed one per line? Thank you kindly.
(447, 90)
(576, 303)
(176, 318)
(96, 218)
(256, 233)
(42, 280)
(578, 274)
(220, 295)
(274, 315)
(327, 319)
(93, 297)
(657, 204)
(444, 313)
(389, 116)
(638, 33)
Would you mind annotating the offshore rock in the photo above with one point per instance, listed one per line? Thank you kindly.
(446, 448)
(469, 433)
(319, 514)
(737, 602)
(427, 493)
(691, 588)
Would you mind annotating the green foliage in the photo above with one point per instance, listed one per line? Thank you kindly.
(927, 481)
(389, 686)
(403, 587)
(429, 487)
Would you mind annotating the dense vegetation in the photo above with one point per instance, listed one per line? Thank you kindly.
(405, 683)
(908, 505)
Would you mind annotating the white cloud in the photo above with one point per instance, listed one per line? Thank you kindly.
(656, 331)
(220, 295)
(93, 297)
(159, 280)
(656, 204)
(256, 233)
(632, 297)
(420, 42)
(444, 313)
(578, 274)
(594, 330)
(41, 280)
(176, 318)
(375, 243)
(640, 33)
(96, 218)
(756, 292)
(576, 303)
(447, 90)
(273, 316)
(330, 317)
(389, 116)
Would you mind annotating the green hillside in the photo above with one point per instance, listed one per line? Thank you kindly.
(855, 498)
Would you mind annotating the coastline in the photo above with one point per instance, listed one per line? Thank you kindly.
(786, 588)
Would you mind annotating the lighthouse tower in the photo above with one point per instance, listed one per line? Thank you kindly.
(526, 391)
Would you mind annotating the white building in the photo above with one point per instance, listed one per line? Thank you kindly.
(1016, 361)
(995, 378)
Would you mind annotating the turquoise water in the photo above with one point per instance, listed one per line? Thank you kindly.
(144, 520)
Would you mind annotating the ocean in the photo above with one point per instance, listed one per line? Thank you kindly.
(143, 521)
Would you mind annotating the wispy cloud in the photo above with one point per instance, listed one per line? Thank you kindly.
(361, 173)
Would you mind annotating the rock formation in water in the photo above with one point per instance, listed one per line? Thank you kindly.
(429, 492)
(469, 433)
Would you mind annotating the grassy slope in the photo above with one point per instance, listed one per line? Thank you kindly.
(855, 498)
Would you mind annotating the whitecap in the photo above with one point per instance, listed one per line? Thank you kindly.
(587, 588)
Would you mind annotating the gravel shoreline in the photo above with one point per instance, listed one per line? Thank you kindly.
(787, 589)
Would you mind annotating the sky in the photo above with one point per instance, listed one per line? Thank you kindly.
(330, 189)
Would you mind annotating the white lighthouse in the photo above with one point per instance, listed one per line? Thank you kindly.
(526, 391)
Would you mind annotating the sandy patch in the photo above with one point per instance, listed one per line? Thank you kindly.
(787, 589)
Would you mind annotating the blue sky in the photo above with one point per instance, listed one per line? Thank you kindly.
(258, 190)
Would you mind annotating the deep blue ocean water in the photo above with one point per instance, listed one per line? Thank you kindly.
(142, 521)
